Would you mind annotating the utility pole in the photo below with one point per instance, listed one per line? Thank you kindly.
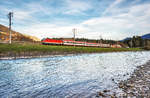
(74, 31)
(100, 39)
(10, 15)
(131, 43)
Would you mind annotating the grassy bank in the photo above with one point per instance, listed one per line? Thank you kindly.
(7, 50)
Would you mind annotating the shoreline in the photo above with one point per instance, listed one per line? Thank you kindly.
(38, 54)
(137, 86)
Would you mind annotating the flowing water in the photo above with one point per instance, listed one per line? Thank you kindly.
(67, 76)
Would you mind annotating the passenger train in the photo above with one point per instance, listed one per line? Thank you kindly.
(49, 41)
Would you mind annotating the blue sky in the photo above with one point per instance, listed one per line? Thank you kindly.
(110, 19)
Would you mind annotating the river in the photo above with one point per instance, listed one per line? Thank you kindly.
(67, 76)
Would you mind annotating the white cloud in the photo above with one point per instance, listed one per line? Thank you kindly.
(47, 30)
(40, 7)
(133, 22)
(113, 6)
(77, 7)
(127, 21)
(22, 15)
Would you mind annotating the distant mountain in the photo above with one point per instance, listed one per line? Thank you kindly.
(146, 36)
(16, 36)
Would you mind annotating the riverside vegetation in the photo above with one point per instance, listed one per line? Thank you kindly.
(29, 49)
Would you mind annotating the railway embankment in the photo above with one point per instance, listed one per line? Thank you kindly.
(37, 50)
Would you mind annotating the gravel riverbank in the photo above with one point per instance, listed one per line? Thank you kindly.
(139, 83)
(137, 86)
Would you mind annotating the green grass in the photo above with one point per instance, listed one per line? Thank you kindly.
(47, 48)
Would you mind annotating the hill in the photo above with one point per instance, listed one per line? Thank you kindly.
(137, 41)
(146, 36)
(16, 36)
